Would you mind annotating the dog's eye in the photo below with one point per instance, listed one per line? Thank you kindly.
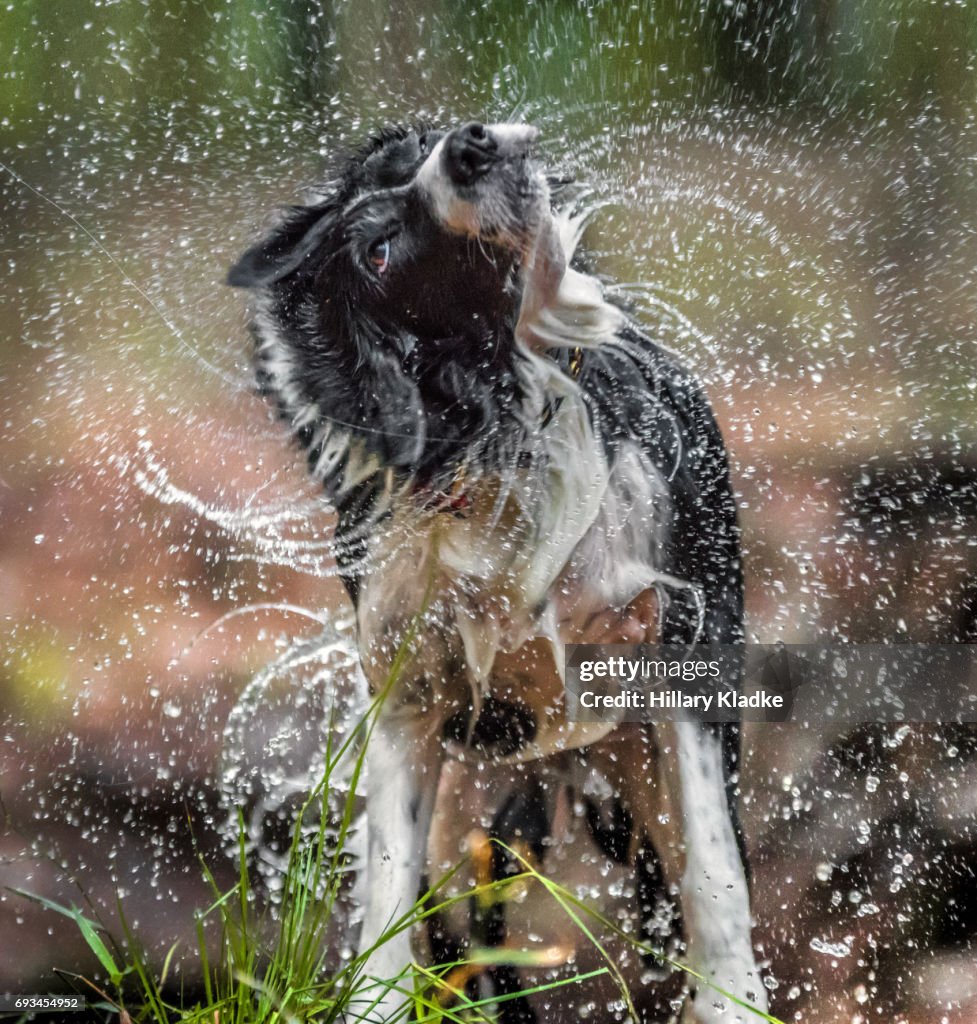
(380, 255)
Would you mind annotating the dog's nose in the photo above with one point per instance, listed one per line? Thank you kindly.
(469, 153)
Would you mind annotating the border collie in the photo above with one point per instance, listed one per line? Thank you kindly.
(514, 465)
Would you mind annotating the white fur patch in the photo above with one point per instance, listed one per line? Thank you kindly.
(562, 307)
(446, 205)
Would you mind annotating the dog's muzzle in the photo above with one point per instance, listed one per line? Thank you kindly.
(480, 181)
(469, 153)
(472, 150)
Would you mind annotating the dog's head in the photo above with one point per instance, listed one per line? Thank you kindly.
(421, 229)
(388, 305)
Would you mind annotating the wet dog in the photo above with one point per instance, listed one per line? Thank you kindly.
(514, 465)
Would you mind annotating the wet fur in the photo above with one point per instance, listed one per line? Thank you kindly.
(511, 459)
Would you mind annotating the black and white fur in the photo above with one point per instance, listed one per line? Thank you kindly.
(515, 466)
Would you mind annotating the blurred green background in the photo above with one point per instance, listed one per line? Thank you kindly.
(789, 198)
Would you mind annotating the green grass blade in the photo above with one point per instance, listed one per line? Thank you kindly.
(88, 930)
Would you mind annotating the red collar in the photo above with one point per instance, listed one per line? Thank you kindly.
(454, 500)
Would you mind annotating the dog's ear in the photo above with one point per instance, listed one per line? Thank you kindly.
(283, 249)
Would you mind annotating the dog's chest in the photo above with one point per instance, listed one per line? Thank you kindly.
(490, 598)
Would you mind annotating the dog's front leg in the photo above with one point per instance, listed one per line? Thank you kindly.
(714, 892)
(403, 762)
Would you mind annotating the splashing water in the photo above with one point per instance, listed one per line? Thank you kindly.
(288, 723)
(787, 202)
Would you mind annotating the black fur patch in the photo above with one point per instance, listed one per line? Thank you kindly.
(502, 727)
